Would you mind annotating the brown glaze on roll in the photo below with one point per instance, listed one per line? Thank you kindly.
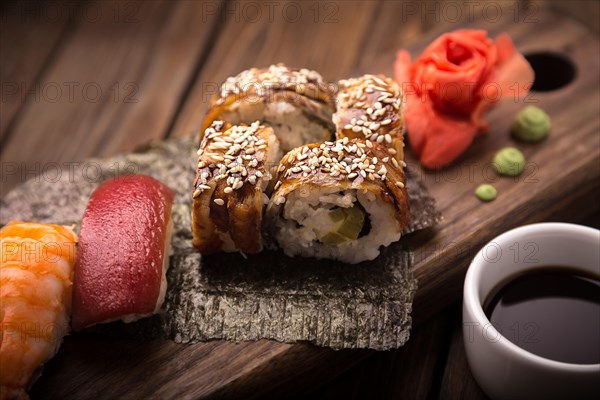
(347, 164)
(371, 107)
(231, 177)
(318, 184)
(259, 81)
(251, 95)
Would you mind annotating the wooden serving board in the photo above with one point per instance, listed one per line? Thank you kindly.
(561, 181)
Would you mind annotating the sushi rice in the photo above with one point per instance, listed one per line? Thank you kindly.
(304, 219)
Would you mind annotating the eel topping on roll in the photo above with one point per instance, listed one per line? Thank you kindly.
(371, 107)
(231, 187)
(339, 200)
(296, 103)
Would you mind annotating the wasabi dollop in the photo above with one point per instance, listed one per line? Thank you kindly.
(486, 192)
(531, 124)
(509, 161)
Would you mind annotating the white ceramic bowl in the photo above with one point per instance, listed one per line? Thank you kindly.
(503, 369)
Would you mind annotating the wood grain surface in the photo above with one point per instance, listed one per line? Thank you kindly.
(157, 63)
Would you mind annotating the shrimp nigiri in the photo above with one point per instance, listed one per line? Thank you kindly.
(36, 277)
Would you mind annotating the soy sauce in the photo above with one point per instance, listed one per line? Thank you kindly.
(553, 312)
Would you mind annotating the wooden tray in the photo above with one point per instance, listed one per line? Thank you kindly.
(561, 181)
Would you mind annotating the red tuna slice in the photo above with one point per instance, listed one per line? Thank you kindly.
(119, 268)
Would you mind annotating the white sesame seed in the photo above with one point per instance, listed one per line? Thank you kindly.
(196, 193)
(386, 122)
(228, 189)
(219, 202)
(219, 146)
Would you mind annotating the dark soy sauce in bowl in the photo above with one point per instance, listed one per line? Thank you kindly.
(553, 312)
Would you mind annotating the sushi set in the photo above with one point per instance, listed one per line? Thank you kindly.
(281, 221)
(267, 192)
(325, 196)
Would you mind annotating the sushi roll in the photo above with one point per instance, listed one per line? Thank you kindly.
(296, 103)
(232, 178)
(36, 276)
(371, 107)
(123, 251)
(338, 200)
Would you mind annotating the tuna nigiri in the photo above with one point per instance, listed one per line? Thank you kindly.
(122, 256)
(36, 275)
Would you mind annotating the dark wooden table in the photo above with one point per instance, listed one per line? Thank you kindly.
(83, 79)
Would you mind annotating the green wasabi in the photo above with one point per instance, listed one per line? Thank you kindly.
(531, 124)
(486, 192)
(509, 161)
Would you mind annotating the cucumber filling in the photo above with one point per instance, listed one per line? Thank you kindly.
(348, 224)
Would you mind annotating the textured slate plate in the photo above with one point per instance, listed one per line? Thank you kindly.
(267, 296)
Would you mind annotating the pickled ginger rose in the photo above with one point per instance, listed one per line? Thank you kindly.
(449, 87)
